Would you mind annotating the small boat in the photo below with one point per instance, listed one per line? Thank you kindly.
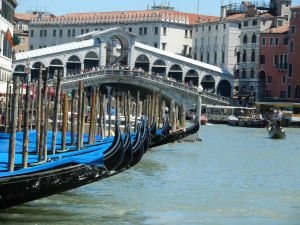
(203, 120)
(276, 132)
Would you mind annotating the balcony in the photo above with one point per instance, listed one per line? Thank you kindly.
(282, 66)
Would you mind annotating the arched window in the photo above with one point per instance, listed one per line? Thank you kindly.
(207, 57)
(56, 62)
(253, 56)
(253, 38)
(252, 73)
(245, 39)
(244, 56)
(297, 91)
(73, 58)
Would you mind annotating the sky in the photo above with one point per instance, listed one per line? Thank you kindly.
(61, 7)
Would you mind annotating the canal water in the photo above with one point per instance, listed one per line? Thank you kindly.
(232, 177)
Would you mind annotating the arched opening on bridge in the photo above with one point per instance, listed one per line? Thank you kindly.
(208, 83)
(192, 78)
(143, 62)
(117, 50)
(224, 88)
(73, 65)
(159, 66)
(91, 60)
(176, 72)
(19, 71)
(55, 64)
(35, 70)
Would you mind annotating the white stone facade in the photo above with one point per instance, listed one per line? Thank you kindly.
(5, 49)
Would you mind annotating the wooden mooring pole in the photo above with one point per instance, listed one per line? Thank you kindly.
(136, 110)
(38, 109)
(80, 87)
(64, 121)
(92, 118)
(26, 126)
(73, 108)
(13, 125)
(20, 107)
(7, 103)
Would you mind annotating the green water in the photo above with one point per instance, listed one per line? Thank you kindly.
(231, 177)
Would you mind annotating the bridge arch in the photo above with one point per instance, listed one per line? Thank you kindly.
(159, 66)
(19, 70)
(192, 77)
(55, 64)
(142, 61)
(224, 88)
(176, 72)
(35, 70)
(208, 83)
(91, 60)
(73, 64)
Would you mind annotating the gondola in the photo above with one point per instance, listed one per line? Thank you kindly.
(152, 130)
(161, 133)
(276, 132)
(177, 135)
(128, 151)
(137, 147)
(60, 175)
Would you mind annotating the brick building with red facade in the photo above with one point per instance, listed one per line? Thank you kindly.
(293, 80)
(274, 61)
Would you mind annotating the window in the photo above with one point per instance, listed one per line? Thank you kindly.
(289, 91)
(73, 33)
(276, 41)
(290, 74)
(262, 59)
(285, 62)
(268, 93)
(253, 56)
(245, 39)
(164, 31)
(209, 28)
(283, 79)
(244, 56)
(155, 45)
(145, 30)
(238, 56)
(254, 23)
(292, 29)
(96, 29)
(54, 33)
(45, 33)
(31, 33)
(282, 94)
(223, 57)
(156, 30)
(271, 41)
(279, 22)
(286, 17)
(240, 26)
(191, 34)
(82, 31)
(215, 58)
(130, 29)
(185, 33)
(69, 33)
(244, 74)
(41, 33)
(201, 57)
(275, 61)
(60, 32)
(286, 4)
(31, 47)
(196, 29)
(292, 46)
(252, 73)
(286, 41)
(297, 91)
(253, 38)
(207, 57)
(217, 27)
(87, 30)
(263, 41)
(269, 79)
(140, 31)
(245, 23)
(224, 26)
(164, 46)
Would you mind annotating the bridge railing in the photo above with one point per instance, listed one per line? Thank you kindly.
(133, 73)
(217, 97)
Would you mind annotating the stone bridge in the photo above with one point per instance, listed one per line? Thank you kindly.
(145, 83)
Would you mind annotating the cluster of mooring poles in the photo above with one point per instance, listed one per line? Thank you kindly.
(45, 106)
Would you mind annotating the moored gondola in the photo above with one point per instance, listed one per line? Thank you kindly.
(137, 147)
(128, 151)
(59, 175)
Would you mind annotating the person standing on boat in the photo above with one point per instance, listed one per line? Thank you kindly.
(278, 117)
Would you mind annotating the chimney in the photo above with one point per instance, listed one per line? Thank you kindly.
(223, 12)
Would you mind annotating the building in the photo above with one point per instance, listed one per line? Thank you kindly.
(233, 42)
(274, 62)
(293, 80)
(161, 27)
(21, 29)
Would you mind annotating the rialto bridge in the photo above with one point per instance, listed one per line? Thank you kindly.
(117, 46)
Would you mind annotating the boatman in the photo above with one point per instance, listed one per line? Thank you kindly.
(278, 117)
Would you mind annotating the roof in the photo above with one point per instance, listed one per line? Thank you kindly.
(182, 58)
(296, 7)
(278, 30)
(124, 16)
(54, 49)
(240, 16)
(25, 16)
